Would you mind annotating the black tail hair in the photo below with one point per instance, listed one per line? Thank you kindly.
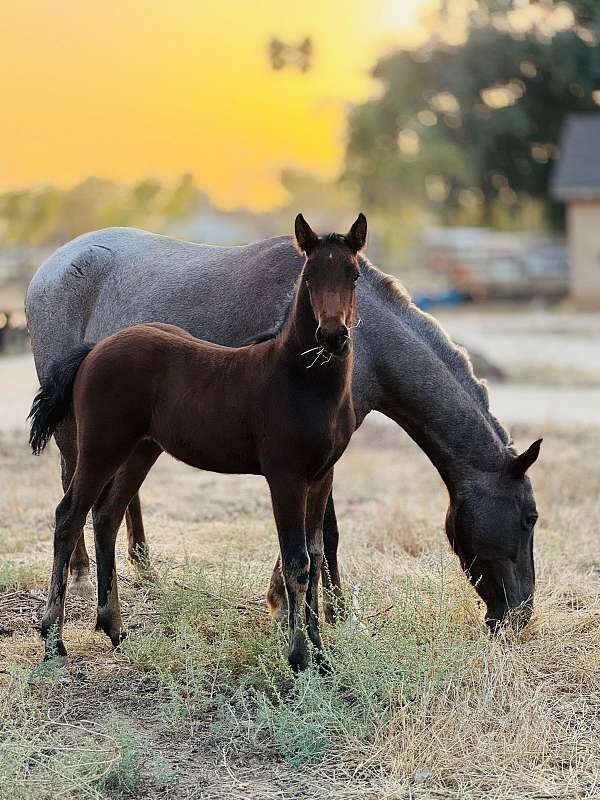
(51, 404)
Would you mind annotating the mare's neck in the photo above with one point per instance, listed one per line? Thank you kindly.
(422, 386)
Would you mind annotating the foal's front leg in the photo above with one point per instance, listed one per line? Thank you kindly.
(315, 512)
(334, 602)
(289, 496)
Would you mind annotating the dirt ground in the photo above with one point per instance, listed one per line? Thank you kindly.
(198, 702)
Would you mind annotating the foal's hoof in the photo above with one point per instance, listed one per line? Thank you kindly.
(299, 659)
(117, 635)
(321, 662)
(82, 586)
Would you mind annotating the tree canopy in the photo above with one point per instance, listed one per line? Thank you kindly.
(471, 129)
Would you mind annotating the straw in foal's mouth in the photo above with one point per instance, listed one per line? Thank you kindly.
(317, 357)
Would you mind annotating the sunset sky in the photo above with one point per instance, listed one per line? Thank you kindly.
(126, 89)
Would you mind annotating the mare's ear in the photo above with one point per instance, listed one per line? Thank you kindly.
(357, 235)
(520, 464)
(306, 238)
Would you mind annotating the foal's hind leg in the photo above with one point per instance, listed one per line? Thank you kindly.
(108, 514)
(333, 597)
(70, 517)
(79, 566)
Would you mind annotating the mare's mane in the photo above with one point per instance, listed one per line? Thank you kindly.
(453, 358)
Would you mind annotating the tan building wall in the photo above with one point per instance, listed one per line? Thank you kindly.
(584, 253)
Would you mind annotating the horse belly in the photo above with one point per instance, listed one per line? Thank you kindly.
(206, 442)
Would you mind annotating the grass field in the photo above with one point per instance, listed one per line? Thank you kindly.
(199, 702)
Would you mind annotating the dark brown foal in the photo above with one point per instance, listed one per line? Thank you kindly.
(280, 407)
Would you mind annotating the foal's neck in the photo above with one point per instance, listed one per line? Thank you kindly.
(299, 332)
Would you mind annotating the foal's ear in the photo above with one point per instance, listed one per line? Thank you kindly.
(357, 235)
(521, 464)
(306, 238)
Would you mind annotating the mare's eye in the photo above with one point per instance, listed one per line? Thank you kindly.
(530, 520)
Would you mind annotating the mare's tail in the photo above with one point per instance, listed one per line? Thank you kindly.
(52, 402)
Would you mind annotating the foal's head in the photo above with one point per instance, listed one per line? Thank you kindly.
(330, 272)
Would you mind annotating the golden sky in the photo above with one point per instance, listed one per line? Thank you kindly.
(126, 89)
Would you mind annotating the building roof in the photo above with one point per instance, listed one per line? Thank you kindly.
(577, 174)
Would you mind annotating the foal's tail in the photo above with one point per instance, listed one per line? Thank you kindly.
(52, 402)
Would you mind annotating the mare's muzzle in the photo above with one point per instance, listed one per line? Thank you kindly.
(334, 337)
(517, 617)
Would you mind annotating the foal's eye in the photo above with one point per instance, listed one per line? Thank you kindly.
(356, 277)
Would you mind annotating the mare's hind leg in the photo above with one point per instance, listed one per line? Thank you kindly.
(137, 546)
(276, 596)
(79, 566)
(108, 514)
(334, 603)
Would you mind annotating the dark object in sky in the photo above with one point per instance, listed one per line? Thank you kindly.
(284, 55)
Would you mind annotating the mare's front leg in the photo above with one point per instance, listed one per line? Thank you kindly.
(289, 495)
(108, 512)
(318, 495)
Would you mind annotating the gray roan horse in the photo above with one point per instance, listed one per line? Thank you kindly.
(404, 366)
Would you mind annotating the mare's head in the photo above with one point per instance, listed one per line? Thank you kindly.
(330, 273)
(490, 525)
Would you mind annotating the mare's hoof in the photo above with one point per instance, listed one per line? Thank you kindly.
(55, 649)
(335, 610)
(142, 574)
(82, 586)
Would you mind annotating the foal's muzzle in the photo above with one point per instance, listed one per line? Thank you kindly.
(334, 338)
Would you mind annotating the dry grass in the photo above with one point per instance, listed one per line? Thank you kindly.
(199, 702)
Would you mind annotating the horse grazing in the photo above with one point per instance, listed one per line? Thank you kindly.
(279, 407)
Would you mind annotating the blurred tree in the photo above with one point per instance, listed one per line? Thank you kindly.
(184, 198)
(46, 215)
(471, 130)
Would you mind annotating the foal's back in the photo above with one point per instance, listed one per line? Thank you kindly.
(198, 400)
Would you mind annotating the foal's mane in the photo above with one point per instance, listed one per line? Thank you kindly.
(452, 357)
